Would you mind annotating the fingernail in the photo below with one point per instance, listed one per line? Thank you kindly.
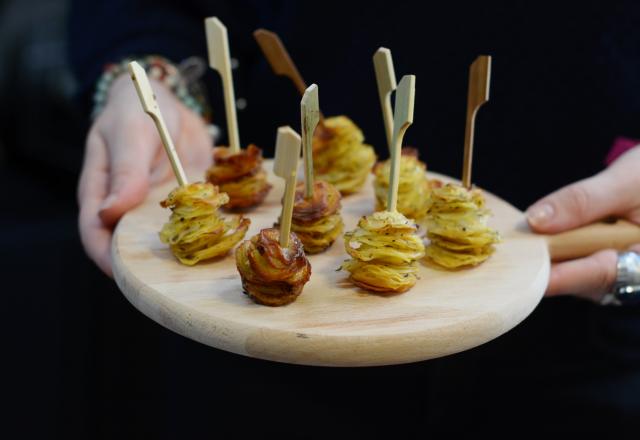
(108, 202)
(540, 214)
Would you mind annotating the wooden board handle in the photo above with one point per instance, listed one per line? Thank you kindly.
(588, 239)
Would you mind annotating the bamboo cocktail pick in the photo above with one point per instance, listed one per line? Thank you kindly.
(403, 118)
(150, 106)
(479, 78)
(309, 115)
(279, 59)
(218, 45)
(286, 166)
(386, 79)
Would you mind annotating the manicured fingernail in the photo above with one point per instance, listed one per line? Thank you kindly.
(108, 202)
(540, 214)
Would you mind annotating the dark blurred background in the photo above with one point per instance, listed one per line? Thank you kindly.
(48, 283)
(83, 363)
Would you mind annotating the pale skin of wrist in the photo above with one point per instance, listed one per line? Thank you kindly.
(124, 158)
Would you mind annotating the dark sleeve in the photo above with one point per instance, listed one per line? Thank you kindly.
(103, 32)
(621, 48)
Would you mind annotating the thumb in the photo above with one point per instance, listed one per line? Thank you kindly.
(578, 204)
(129, 167)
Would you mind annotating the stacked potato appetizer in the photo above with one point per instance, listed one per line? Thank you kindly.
(457, 227)
(340, 155)
(414, 187)
(384, 250)
(272, 275)
(316, 220)
(239, 175)
(195, 230)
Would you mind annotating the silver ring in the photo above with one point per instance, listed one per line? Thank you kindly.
(626, 289)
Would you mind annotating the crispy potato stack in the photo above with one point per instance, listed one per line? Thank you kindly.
(384, 249)
(195, 231)
(457, 227)
(339, 155)
(271, 275)
(240, 176)
(413, 188)
(316, 221)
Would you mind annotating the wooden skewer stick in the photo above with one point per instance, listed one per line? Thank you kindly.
(218, 45)
(150, 106)
(279, 59)
(309, 115)
(403, 118)
(479, 79)
(386, 79)
(285, 165)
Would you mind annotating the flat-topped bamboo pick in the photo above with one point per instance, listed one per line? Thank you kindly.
(403, 118)
(279, 59)
(286, 166)
(218, 46)
(386, 79)
(150, 106)
(479, 79)
(309, 115)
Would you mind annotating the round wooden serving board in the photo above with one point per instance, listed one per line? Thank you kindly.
(332, 323)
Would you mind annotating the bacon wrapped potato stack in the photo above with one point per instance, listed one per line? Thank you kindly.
(195, 231)
(413, 188)
(239, 175)
(340, 155)
(384, 250)
(317, 221)
(271, 275)
(457, 227)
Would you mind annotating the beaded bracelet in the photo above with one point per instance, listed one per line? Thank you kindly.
(186, 89)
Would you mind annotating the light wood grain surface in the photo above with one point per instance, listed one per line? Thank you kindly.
(332, 323)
